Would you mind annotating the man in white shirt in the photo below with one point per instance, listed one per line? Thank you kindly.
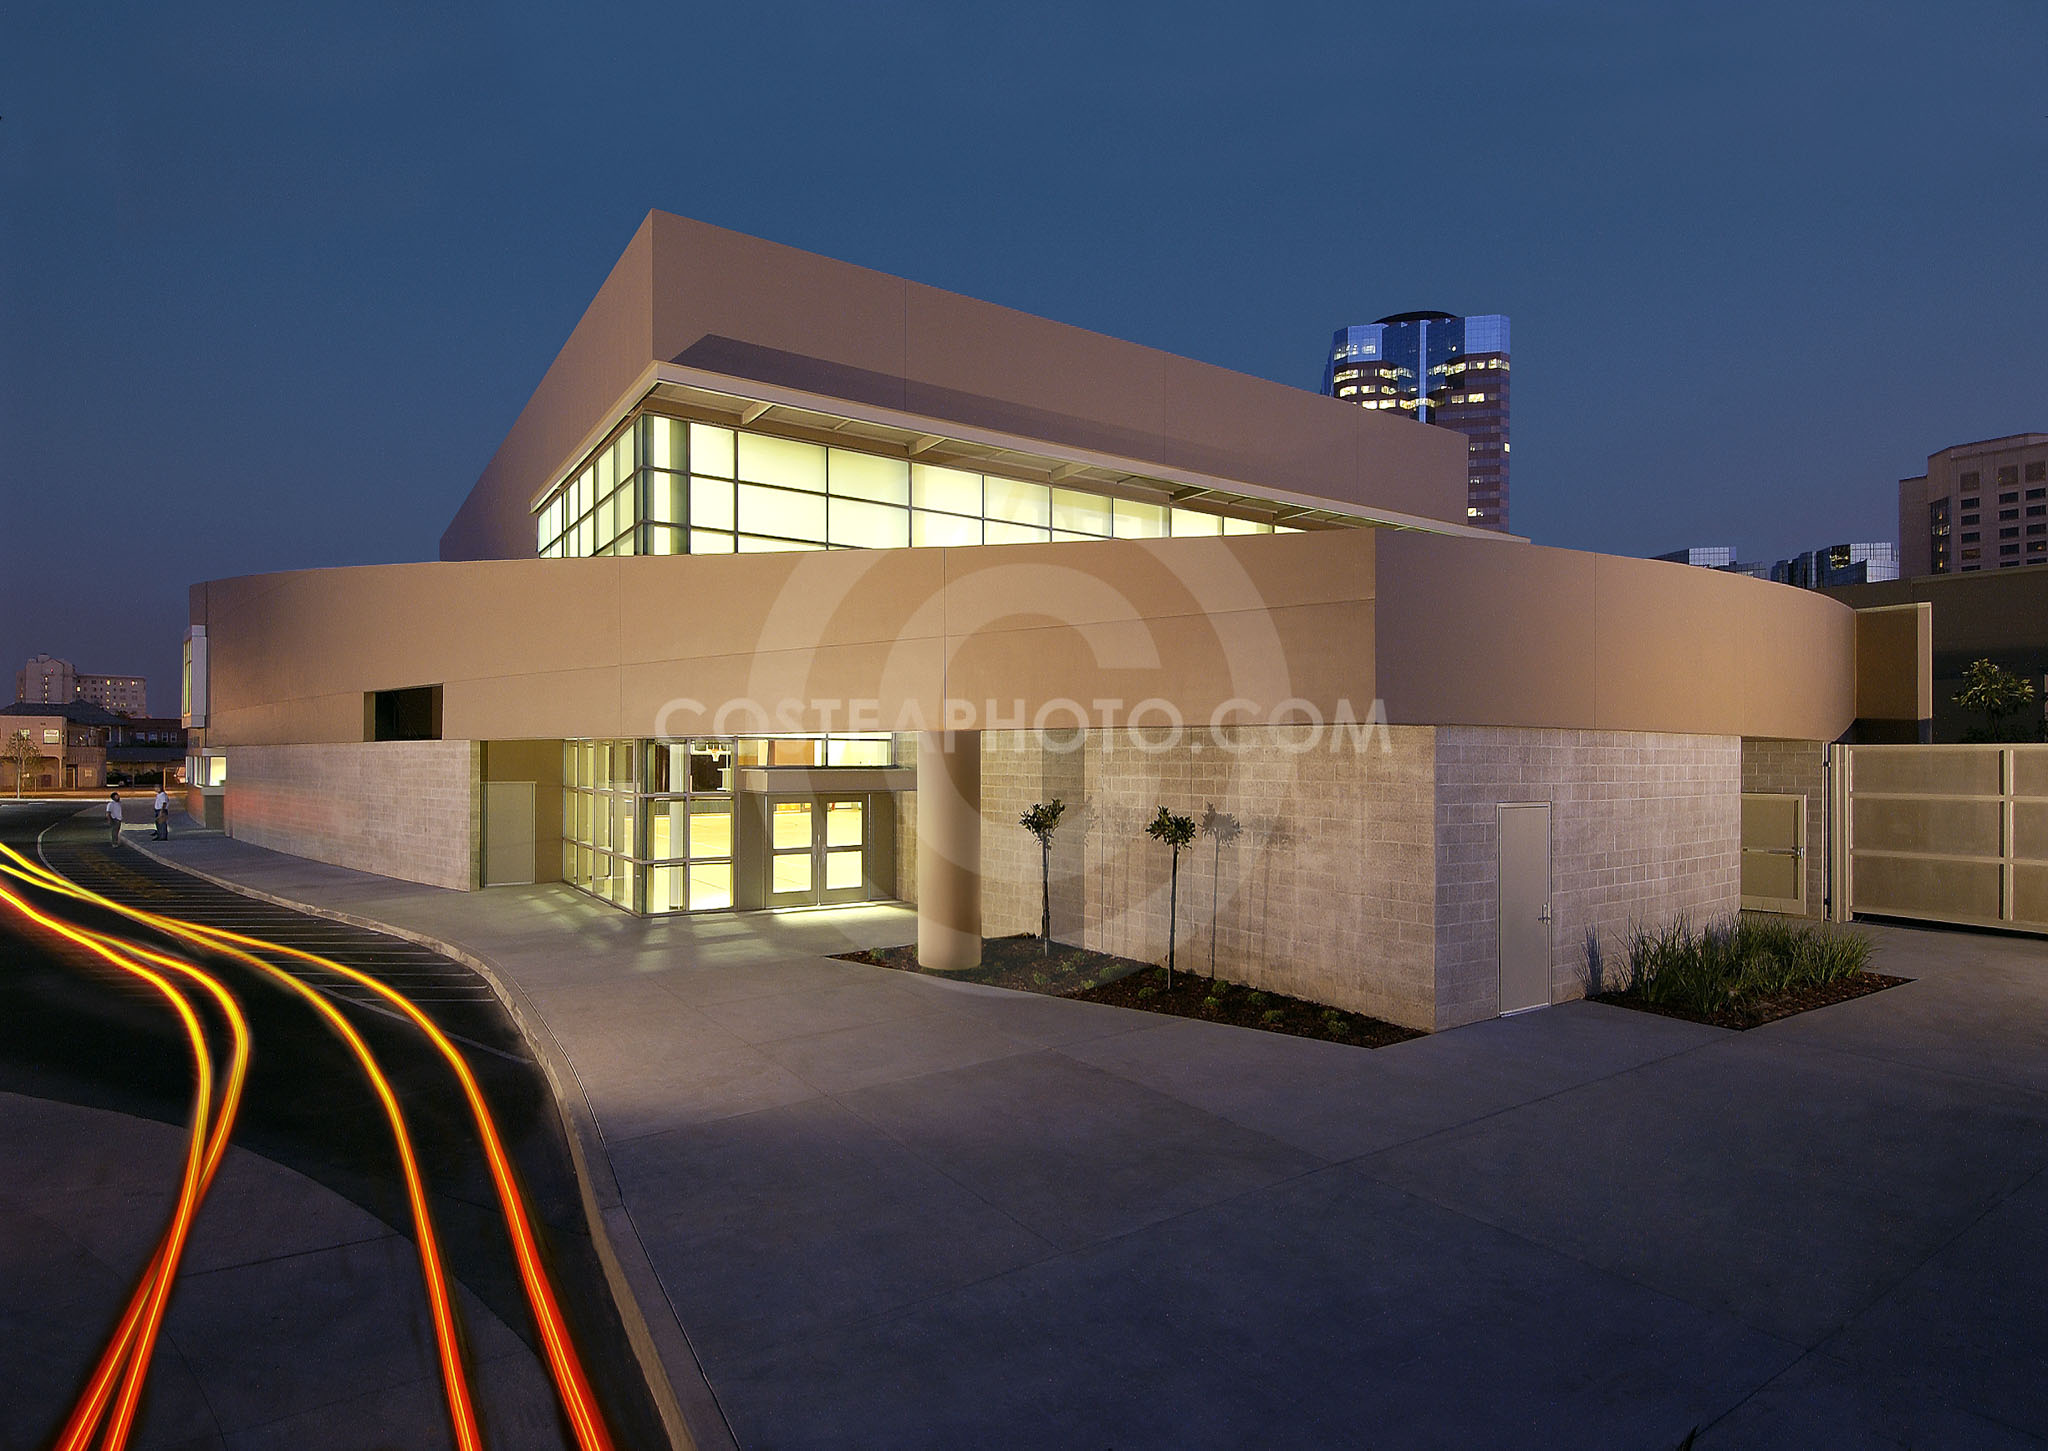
(114, 816)
(163, 814)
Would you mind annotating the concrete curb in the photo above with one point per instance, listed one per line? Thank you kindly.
(689, 1408)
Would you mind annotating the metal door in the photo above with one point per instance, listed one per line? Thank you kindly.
(1525, 919)
(1774, 852)
(842, 850)
(792, 853)
(817, 849)
(508, 833)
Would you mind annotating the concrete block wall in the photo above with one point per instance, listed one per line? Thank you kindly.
(404, 809)
(906, 822)
(1328, 895)
(906, 846)
(1644, 828)
(1019, 769)
(1796, 768)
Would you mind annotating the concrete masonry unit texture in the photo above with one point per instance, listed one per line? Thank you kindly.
(739, 506)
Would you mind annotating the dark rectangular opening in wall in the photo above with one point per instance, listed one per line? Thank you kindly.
(413, 714)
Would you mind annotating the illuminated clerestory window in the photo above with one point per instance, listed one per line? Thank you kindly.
(671, 486)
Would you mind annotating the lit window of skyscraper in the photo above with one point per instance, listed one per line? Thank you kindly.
(1442, 369)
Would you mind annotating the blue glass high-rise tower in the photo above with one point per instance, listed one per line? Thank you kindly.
(1443, 369)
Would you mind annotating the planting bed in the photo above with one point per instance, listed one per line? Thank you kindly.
(1098, 977)
(1740, 971)
(1755, 1012)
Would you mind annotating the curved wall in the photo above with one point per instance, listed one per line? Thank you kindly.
(1272, 628)
(1479, 632)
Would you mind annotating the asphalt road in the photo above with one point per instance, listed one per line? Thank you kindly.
(76, 1030)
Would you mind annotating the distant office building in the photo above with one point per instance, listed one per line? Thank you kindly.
(1442, 369)
(1836, 565)
(1710, 556)
(1979, 505)
(1839, 565)
(121, 694)
(46, 680)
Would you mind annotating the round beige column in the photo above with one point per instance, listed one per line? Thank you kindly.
(949, 850)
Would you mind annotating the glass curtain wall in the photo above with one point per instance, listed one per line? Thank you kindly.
(667, 486)
(648, 825)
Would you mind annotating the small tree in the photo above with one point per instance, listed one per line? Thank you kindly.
(23, 753)
(1223, 830)
(1176, 832)
(1994, 694)
(1042, 820)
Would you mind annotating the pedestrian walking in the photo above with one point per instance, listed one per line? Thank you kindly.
(114, 816)
(163, 814)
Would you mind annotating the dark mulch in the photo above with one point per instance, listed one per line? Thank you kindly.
(1016, 963)
(1758, 1011)
(1216, 1001)
(1098, 977)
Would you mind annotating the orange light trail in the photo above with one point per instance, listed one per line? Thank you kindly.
(572, 1385)
(134, 1340)
(461, 1403)
(140, 1325)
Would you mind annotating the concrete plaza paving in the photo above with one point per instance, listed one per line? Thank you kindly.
(891, 1210)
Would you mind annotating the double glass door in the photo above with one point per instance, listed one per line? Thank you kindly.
(817, 851)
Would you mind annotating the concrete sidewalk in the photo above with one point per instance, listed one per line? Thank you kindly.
(896, 1210)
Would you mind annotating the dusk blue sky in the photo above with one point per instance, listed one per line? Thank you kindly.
(276, 278)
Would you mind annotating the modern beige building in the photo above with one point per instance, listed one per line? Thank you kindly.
(795, 583)
(1979, 506)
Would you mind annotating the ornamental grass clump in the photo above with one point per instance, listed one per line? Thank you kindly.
(1735, 961)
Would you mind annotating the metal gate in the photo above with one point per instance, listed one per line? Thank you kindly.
(1774, 852)
(1942, 833)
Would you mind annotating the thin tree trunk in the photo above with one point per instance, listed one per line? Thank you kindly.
(1045, 899)
(1172, 913)
(1215, 881)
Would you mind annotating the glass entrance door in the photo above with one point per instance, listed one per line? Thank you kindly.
(817, 851)
(842, 845)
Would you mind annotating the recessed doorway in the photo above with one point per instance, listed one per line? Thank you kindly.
(817, 851)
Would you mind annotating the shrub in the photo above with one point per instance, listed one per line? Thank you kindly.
(1738, 960)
